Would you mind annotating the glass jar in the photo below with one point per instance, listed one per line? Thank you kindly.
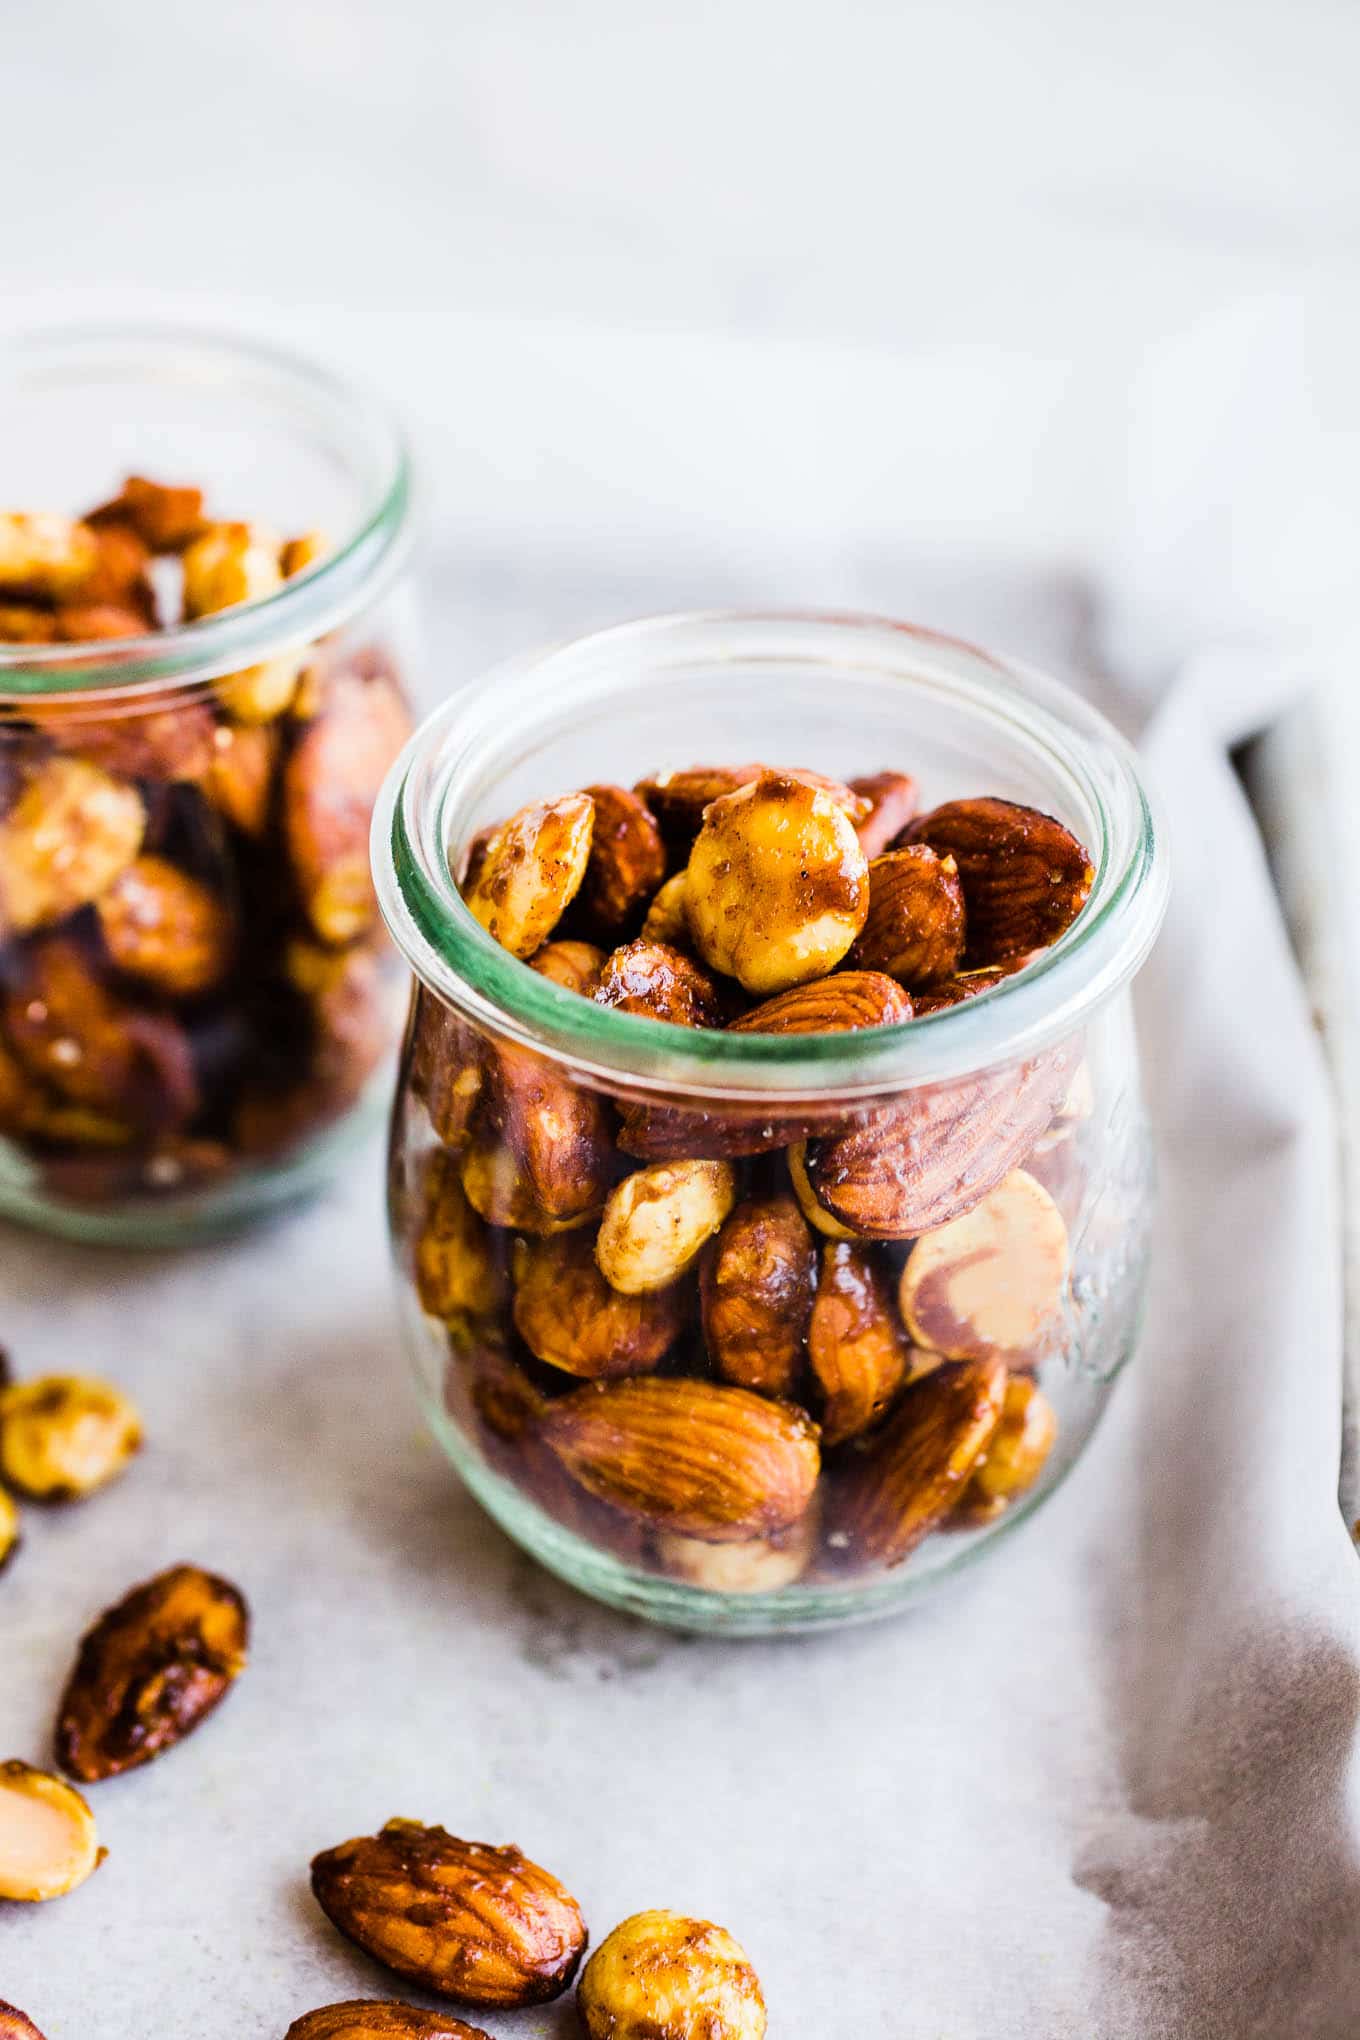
(613, 1436)
(198, 1005)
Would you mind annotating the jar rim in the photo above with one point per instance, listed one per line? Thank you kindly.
(451, 759)
(317, 601)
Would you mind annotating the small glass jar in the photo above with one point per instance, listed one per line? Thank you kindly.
(198, 1004)
(894, 1159)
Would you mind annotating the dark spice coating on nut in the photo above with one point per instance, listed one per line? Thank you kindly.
(1025, 877)
(757, 1283)
(151, 1669)
(856, 1345)
(464, 1920)
(627, 863)
(892, 804)
(376, 2019)
(914, 929)
(660, 983)
(678, 799)
(569, 1316)
(837, 1004)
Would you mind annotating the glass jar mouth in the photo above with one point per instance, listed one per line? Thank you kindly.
(339, 415)
(456, 757)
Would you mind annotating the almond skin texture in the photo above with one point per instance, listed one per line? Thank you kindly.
(831, 1005)
(916, 1469)
(914, 929)
(695, 1457)
(662, 1976)
(376, 2019)
(16, 2025)
(1025, 877)
(570, 1317)
(63, 1436)
(992, 1280)
(778, 885)
(497, 1188)
(1015, 1457)
(857, 1348)
(481, 1925)
(150, 1671)
(892, 803)
(757, 1284)
(48, 1844)
(160, 925)
(816, 1214)
(657, 1220)
(661, 983)
(952, 991)
(627, 864)
(557, 1132)
(530, 870)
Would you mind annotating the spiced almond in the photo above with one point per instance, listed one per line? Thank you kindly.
(1025, 876)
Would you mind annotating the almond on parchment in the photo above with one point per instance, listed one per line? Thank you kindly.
(662, 1974)
(463, 1920)
(656, 1221)
(1025, 876)
(992, 1280)
(530, 870)
(48, 1843)
(914, 1472)
(376, 2019)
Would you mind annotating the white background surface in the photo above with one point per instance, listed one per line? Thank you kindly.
(854, 305)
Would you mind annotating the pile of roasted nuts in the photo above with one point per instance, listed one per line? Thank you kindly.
(746, 1346)
(190, 975)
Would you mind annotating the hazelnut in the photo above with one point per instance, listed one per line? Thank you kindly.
(68, 835)
(570, 1317)
(660, 983)
(63, 1436)
(993, 1280)
(163, 926)
(758, 1282)
(228, 565)
(1015, 1456)
(660, 1973)
(656, 1220)
(530, 871)
(778, 885)
(48, 1843)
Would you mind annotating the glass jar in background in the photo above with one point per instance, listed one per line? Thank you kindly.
(934, 1234)
(205, 644)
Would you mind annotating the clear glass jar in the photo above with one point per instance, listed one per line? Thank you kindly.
(198, 1004)
(516, 1093)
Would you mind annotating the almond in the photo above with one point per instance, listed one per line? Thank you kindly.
(569, 1316)
(376, 2019)
(695, 1457)
(460, 1919)
(763, 1565)
(10, 1539)
(915, 1470)
(1025, 877)
(95, 1049)
(661, 983)
(172, 931)
(663, 1976)
(952, 991)
(667, 918)
(239, 779)
(757, 1285)
(48, 1843)
(166, 519)
(678, 799)
(679, 1132)
(815, 1213)
(626, 865)
(1016, 1456)
(65, 1435)
(914, 929)
(447, 1067)
(656, 1220)
(16, 2025)
(330, 786)
(151, 1669)
(856, 1346)
(497, 1188)
(458, 1272)
(831, 1005)
(530, 871)
(557, 1132)
(892, 803)
(992, 1280)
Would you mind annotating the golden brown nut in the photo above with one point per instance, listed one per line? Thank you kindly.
(557, 1133)
(85, 623)
(330, 786)
(914, 1472)
(299, 555)
(10, 1539)
(1016, 1456)
(757, 1286)
(65, 1435)
(530, 872)
(376, 2019)
(96, 1050)
(227, 565)
(118, 573)
(626, 865)
(914, 929)
(448, 1068)
(778, 885)
(952, 991)
(838, 1004)
(44, 555)
(16, 2025)
(892, 803)
(993, 1280)
(165, 518)
(696, 1457)
(151, 1669)
(174, 742)
(458, 1272)
(48, 1843)
(856, 1346)
(239, 778)
(461, 1919)
(660, 983)
(1025, 877)
(815, 1213)
(663, 1976)
(500, 1192)
(656, 1221)
(68, 835)
(570, 1317)
(761, 1566)
(667, 918)
(162, 925)
(23, 624)
(576, 966)
(678, 799)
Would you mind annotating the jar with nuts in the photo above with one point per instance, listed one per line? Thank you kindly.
(204, 642)
(770, 1183)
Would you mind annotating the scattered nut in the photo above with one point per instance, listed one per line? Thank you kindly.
(10, 1539)
(778, 885)
(892, 803)
(696, 1457)
(830, 1005)
(992, 1280)
(757, 1284)
(662, 1976)
(461, 1919)
(63, 1436)
(914, 929)
(376, 2019)
(161, 925)
(16, 2025)
(569, 1316)
(1016, 1456)
(331, 783)
(457, 1272)
(71, 831)
(149, 1671)
(855, 1344)
(660, 983)
(531, 871)
(48, 1843)
(667, 918)
(1025, 877)
(915, 1470)
(626, 865)
(656, 1220)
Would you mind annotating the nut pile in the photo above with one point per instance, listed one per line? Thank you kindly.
(190, 973)
(745, 1346)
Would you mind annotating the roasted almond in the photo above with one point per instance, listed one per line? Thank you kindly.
(447, 1067)
(658, 1133)
(667, 918)
(656, 1220)
(762, 1565)
(376, 2019)
(696, 1457)
(64, 840)
(1025, 877)
(239, 779)
(499, 1190)
(992, 1280)
(757, 1284)
(626, 865)
(94, 1048)
(172, 931)
(530, 870)
(1016, 1456)
(48, 1843)
(663, 1976)
(557, 1131)
(678, 799)
(914, 1472)
(330, 785)
(151, 1669)
(458, 1271)
(814, 1212)
(461, 1919)
(831, 1005)
(914, 929)
(569, 1316)
(16, 2025)
(660, 983)
(166, 519)
(64, 1435)
(892, 803)
(952, 991)
(856, 1346)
